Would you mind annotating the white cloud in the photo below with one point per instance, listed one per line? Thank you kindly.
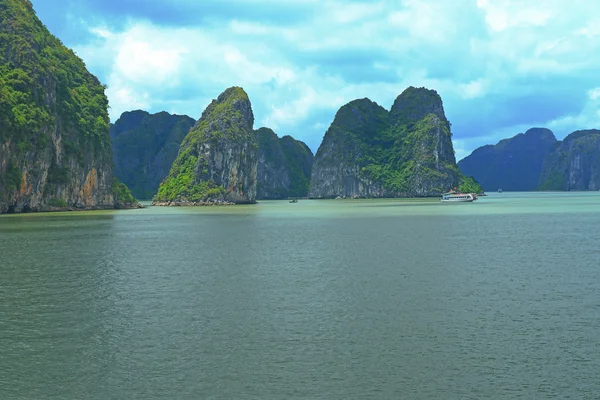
(594, 94)
(249, 28)
(587, 118)
(154, 63)
(481, 53)
(296, 110)
(428, 21)
(347, 13)
(591, 30)
(102, 32)
(501, 15)
(473, 89)
(124, 98)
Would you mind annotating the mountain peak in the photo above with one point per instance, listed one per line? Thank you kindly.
(233, 104)
(415, 103)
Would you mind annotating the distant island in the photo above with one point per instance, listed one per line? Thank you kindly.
(574, 163)
(406, 152)
(535, 160)
(284, 166)
(367, 152)
(511, 164)
(59, 152)
(144, 147)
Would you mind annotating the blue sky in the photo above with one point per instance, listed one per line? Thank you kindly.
(501, 66)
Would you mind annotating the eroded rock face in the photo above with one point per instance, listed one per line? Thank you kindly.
(217, 161)
(574, 163)
(284, 166)
(339, 159)
(513, 164)
(54, 138)
(370, 152)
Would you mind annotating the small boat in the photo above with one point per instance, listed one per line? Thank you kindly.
(458, 197)
(293, 200)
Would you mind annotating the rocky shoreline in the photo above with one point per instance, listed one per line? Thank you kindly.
(192, 203)
(46, 208)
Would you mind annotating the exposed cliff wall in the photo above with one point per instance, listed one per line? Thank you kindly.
(299, 160)
(340, 157)
(511, 164)
(370, 152)
(284, 166)
(54, 137)
(574, 163)
(144, 148)
(217, 160)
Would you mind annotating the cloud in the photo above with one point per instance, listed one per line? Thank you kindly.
(501, 66)
(586, 117)
(501, 15)
(473, 89)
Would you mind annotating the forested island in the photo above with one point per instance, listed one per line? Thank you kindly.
(58, 150)
(55, 150)
(535, 160)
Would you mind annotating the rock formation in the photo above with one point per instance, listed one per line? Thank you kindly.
(284, 166)
(217, 160)
(54, 136)
(574, 163)
(144, 147)
(370, 152)
(513, 164)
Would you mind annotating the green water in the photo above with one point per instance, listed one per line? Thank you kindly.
(361, 299)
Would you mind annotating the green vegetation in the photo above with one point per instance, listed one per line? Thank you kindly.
(32, 61)
(513, 164)
(45, 89)
(573, 164)
(554, 181)
(287, 166)
(469, 185)
(268, 143)
(11, 179)
(121, 193)
(56, 202)
(144, 148)
(225, 124)
(415, 104)
(182, 184)
(299, 163)
(406, 151)
(401, 153)
(58, 175)
(222, 120)
(395, 148)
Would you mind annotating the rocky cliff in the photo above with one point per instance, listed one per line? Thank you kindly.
(511, 164)
(144, 148)
(217, 161)
(341, 156)
(54, 136)
(370, 152)
(284, 166)
(574, 163)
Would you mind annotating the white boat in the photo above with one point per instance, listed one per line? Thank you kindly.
(457, 197)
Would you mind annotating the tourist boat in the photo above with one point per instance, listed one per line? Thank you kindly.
(458, 197)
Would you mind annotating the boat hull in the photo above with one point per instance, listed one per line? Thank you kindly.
(457, 200)
(456, 197)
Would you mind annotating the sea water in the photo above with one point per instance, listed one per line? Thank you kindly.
(321, 299)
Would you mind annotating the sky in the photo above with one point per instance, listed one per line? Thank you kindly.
(500, 66)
